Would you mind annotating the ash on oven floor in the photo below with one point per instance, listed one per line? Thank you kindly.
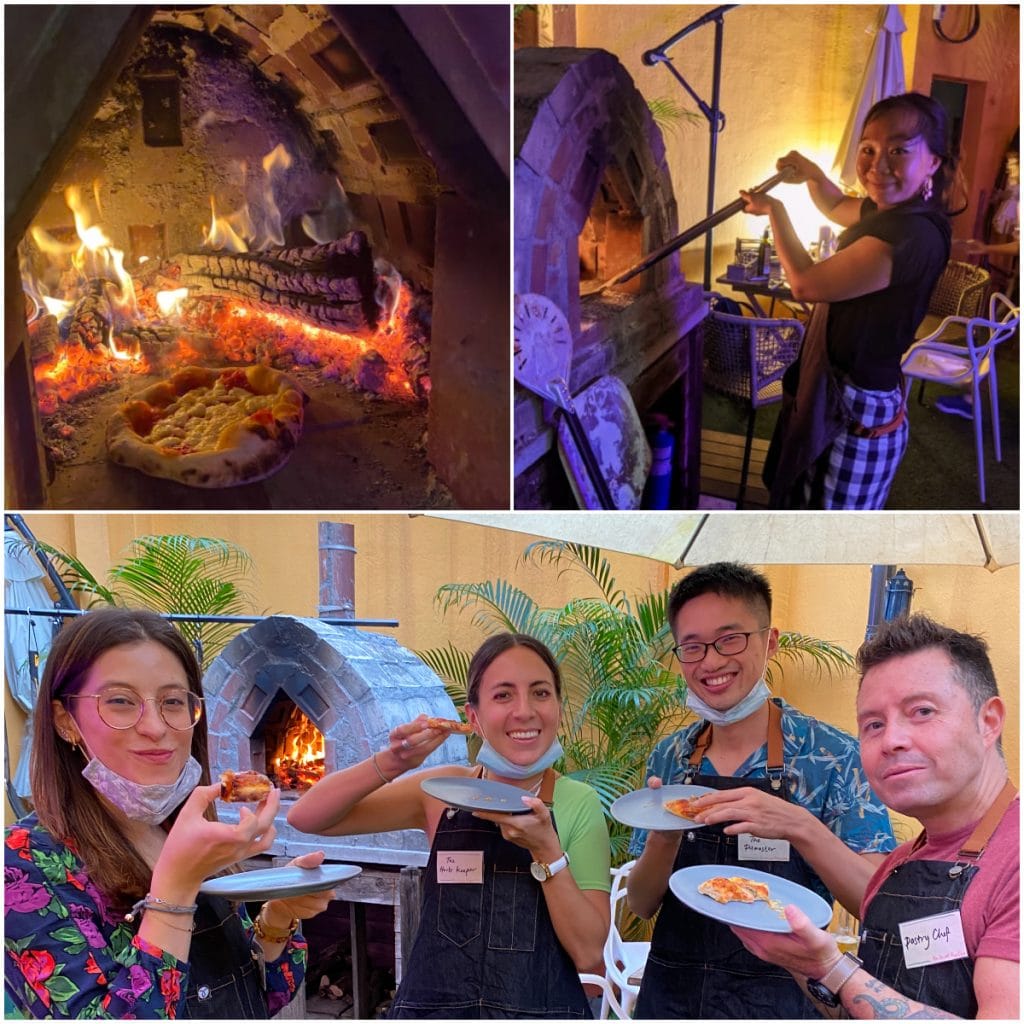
(356, 452)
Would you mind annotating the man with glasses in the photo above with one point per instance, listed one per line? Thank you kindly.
(792, 802)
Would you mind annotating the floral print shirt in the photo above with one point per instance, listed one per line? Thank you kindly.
(68, 954)
(823, 774)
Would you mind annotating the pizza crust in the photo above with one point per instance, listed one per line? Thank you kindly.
(210, 427)
(449, 725)
(683, 807)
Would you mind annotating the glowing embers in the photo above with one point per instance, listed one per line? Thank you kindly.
(295, 748)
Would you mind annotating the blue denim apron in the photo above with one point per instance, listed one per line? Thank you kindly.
(489, 950)
(697, 968)
(224, 981)
(922, 888)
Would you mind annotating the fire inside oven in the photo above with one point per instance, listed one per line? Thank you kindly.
(612, 236)
(202, 220)
(294, 748)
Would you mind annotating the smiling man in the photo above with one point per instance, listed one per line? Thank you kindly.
(792, 802)
(940, 930)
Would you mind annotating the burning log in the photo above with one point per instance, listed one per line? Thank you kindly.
(44, 338)
(330, 285)
(90, 320)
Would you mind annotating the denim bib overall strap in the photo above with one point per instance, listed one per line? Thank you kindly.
(697, 968)
(923, 888)
(487, 949)
(225, 982)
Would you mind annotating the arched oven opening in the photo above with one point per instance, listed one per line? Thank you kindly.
(302, 187)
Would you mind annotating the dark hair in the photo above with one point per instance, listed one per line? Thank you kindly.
(932, 124)
(499, 644)
(66, 804)
(726, 579)
(968, 654)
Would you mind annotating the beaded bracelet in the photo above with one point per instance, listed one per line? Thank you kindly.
(151, 902)
(383, 777)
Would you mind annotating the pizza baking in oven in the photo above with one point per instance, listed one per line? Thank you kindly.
(210, 427)
(449, 725)
(244, 787)
(683, 807)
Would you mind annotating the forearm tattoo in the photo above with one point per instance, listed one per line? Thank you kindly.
(890, 1005)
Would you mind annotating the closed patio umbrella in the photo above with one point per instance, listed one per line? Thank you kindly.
(883, 76)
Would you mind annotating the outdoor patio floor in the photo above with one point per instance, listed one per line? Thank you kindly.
(939, 470)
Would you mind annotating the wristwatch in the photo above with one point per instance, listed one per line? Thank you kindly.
(826, 989)
(542, 872)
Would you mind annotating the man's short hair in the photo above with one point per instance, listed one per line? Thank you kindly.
(726, 579)
(968, 654)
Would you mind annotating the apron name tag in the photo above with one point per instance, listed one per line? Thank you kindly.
(751, 847)
(933, 940)
(460, 868)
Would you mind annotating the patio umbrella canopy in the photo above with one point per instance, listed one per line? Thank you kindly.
(883, 76)
(793, 538)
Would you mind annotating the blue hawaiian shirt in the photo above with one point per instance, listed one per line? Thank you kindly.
(823, 774)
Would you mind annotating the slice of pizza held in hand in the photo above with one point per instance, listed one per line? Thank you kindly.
(450, 725)
(244, 787)
(210, 427)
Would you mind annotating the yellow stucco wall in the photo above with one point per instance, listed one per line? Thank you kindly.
(402, 560)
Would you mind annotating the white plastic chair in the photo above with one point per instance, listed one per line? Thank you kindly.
(623, 961)
(943, 362)
(609, 1004)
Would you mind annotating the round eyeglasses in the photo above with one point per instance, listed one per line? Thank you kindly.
(123, 709)
(731, 643)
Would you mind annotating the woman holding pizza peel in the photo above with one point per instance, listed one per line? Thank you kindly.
(103, 914)
(843, 428)
(530, 910)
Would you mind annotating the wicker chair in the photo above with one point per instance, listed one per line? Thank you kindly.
(960, 291)
(745, 358)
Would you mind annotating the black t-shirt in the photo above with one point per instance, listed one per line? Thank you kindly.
(868, 335)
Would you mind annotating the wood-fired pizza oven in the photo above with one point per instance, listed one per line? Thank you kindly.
(321, 189)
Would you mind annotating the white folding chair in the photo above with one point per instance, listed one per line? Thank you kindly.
(969, 363)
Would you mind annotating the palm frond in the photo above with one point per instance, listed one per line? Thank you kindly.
(581, 557)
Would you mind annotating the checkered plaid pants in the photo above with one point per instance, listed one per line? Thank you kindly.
(859, 470)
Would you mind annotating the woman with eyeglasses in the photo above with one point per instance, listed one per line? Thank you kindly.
(103, 915)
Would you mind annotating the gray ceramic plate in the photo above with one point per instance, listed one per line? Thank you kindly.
(477, 794)
(278, 883)
(760, 916)
(643, 807)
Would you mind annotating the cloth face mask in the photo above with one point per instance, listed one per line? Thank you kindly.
(151, 804)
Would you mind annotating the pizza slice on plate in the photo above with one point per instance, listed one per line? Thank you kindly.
(683, 806)
(210, 427)
(737, 889)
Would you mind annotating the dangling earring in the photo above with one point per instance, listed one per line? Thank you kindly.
(68, 738)
(927, 187)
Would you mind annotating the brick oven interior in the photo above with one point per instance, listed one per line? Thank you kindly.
(223, 148)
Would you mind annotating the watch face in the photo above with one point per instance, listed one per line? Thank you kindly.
(539, 871)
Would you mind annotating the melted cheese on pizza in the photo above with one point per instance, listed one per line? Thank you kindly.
(735, 890)
(683, 807)
(196, 420)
